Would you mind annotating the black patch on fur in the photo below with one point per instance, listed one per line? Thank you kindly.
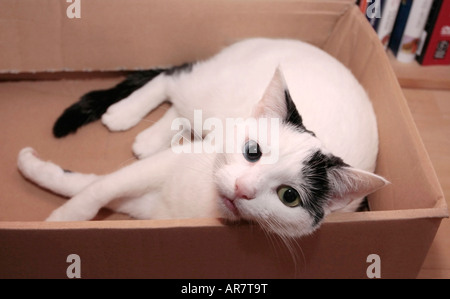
(92, 105)
(293, 117)
(317, 188)
(67, 171)
(334, 161)
(176, 70)
(363, 206)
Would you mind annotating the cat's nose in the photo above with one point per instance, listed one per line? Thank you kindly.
(243, 189)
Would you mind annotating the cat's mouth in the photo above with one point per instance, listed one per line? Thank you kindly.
(230, 205)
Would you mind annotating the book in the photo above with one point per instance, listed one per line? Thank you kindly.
(372, 10)
(436, 36)
(427, 32)
(389, 10)
(363, 6)
(399, 25)
(408, 28)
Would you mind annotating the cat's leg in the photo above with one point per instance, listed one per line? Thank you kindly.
(128, 183)
(142, 207)
(50, 176)
(157, 137)
(129, 111)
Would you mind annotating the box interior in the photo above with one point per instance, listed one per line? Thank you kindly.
(115, 43)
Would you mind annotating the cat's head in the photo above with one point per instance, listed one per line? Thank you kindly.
(289, 195)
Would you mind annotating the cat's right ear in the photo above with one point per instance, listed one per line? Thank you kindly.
(273, 102)
(277, 103)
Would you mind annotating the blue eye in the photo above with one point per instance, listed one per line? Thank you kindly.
(252, 152)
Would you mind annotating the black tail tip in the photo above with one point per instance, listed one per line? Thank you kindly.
(62, 128)
(69, 122)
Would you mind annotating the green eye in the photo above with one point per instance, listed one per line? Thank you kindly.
(289, 196)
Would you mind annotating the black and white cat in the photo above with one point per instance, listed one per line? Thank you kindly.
(325, 151)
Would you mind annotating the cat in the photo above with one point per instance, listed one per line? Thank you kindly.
(326, 149)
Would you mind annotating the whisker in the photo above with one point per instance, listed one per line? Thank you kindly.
(282, 240)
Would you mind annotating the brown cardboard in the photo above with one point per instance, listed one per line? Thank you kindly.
(110, 36)
(404, 216)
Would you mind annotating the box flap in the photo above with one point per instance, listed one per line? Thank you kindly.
(402, 157)
(147, 33)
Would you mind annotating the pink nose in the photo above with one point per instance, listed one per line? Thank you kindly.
(243, 189)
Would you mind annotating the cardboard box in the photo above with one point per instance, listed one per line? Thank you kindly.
(39, 41)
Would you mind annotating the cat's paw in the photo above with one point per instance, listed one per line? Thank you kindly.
(27, 156)
(56, 216)
(27, 152)
(142, 148)
(147, 143)
(119, 118)
(70, 212)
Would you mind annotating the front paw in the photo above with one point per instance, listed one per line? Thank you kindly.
(68, 213)
(117, 119)
(142, 148)
(25, 160)
(148, 143)
(56, 216)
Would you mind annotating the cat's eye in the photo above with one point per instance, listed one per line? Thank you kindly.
(289, 196)
(252, 151)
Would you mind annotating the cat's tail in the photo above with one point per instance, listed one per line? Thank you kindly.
(92, 105)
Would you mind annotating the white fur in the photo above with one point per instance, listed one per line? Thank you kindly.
(136, 189)
(237, 82)
(331, 101)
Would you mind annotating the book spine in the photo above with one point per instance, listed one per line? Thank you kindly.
(389, 12)
(375, 24)
(372, 10)
(413, 30)
(437, 51)
(427, 32)
(363, 6)
(399, 25)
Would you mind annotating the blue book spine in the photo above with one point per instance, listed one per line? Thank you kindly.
(399, 26)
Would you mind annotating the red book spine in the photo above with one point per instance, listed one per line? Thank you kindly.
(438, 49)
(363, 6)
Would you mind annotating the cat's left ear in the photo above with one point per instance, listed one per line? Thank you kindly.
(277, 102)
(348, 183)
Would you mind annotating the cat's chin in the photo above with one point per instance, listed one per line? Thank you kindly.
(228, 209)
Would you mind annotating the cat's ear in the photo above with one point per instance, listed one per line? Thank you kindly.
(277, 102)
(273, 103)
(348, 183)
